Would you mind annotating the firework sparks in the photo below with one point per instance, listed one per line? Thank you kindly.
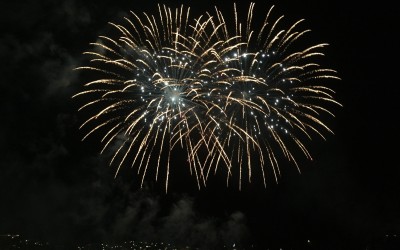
(231, 96)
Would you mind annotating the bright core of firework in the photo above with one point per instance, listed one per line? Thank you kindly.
(233, 97)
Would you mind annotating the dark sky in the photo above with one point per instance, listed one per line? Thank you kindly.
(53, 187)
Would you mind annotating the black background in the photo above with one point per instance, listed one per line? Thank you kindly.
(55, 188)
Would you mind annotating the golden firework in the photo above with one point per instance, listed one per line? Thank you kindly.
(232, 96)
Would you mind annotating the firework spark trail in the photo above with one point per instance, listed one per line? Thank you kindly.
(229, 96)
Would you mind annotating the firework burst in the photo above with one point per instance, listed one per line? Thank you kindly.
(231, 96)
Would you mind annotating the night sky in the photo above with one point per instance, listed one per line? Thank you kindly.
(56, 188)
